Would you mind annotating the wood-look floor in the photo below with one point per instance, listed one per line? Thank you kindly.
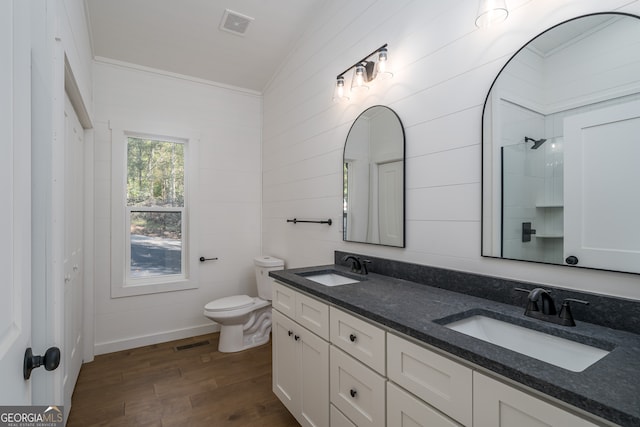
(159, 386)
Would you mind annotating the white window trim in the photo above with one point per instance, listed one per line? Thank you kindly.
(121, 284)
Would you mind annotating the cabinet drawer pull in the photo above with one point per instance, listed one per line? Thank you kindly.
(290, 333)
(296, 337)
(353, 392)
(353, 338)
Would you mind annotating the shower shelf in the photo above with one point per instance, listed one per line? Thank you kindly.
(549, 236)
(550, 205)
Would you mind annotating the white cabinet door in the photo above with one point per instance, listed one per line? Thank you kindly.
(300, 371)
(497, 405)
(314, 380)
(602, 203)
(404, 410)
(285, 361)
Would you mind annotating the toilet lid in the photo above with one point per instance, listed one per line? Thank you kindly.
(233, 302)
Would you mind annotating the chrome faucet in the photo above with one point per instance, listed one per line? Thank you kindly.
(357, 265)
(548, 311)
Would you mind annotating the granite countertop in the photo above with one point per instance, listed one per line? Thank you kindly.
(610, 388)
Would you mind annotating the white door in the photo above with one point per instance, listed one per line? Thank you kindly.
(73, 253)
(15, 193)
(391, 203)
(602, 203)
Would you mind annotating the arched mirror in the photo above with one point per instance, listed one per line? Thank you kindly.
(373, 186)
(561, 148)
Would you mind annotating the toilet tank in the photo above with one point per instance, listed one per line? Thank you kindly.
(263, 265)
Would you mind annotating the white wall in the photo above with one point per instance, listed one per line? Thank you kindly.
(229, 202)
(443, 69)
(75, 36)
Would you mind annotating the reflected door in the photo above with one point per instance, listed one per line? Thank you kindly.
(391, 203)
(602, 202)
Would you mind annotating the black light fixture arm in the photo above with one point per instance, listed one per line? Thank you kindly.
(363, 60)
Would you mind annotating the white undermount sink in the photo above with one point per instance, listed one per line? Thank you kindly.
(557, 351)
(331, 279)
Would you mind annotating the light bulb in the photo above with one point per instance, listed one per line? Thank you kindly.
(382, 66)
(340, 93)
(360, 75)
(359, 79)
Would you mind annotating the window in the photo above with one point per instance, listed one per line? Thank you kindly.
(155, 208)
(152, 214)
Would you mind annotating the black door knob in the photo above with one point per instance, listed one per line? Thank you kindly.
(296, 337)
(572, 260)
(353, 393)
(353, 338)
(50, 360)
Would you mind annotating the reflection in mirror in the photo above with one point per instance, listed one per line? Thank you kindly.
(374, 179)
(560, 149)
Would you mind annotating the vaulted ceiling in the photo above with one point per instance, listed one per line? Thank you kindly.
(183, 36)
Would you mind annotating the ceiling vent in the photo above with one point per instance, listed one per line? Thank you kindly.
(234, 22)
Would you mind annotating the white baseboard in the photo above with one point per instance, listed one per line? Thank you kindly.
(129, 343)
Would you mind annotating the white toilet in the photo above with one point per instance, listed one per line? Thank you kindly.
(245, 321)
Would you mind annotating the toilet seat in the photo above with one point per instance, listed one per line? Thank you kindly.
(234, 302)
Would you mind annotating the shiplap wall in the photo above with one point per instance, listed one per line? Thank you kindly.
(443, 69)
(228, 204)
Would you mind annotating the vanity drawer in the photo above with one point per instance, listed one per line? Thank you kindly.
(360, 339)
(308, 312)
(404, 410)
(337, 419)
(313, 315)
(356, 390)
(439, 381)
(283, 299)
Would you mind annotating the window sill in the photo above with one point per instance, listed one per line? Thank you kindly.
(151, 286)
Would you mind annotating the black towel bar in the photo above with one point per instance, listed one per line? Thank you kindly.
(296, 220)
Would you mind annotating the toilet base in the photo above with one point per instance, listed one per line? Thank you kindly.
(251, 334)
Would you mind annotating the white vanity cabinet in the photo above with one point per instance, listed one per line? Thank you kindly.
(300, 357)
(331, 368)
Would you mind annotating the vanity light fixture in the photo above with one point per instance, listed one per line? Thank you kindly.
(491, 12)
(383, 72)
(341, 94)
(362, 75)
(375, 65)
